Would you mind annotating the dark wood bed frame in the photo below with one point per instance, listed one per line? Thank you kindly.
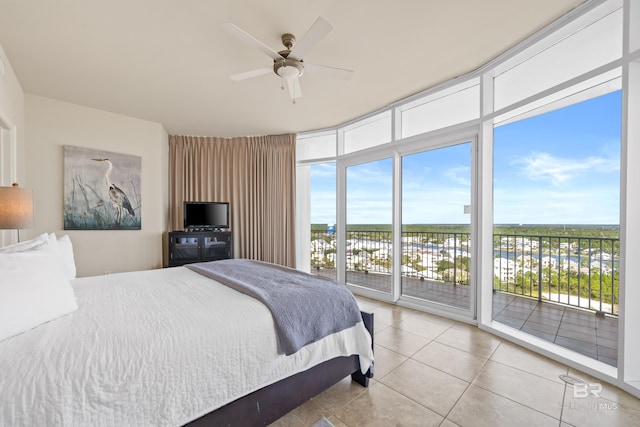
(266, 405)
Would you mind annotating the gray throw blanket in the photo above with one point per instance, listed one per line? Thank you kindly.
(305, 307)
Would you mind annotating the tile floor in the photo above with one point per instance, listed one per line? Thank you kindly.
(431, 371)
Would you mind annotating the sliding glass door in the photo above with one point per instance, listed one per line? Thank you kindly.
(436, 226)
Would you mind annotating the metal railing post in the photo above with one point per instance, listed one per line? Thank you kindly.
(540, 269)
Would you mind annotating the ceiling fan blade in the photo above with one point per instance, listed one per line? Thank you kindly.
(251, 41)
(294, 88)
(338, 73)
(317, 32)
(249, 74)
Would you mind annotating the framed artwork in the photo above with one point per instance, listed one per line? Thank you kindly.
(102, 190)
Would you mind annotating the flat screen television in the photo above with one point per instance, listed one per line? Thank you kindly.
(206, 215)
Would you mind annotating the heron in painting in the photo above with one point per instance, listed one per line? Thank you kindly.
(117, 196)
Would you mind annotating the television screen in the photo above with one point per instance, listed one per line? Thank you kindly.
(207, 215)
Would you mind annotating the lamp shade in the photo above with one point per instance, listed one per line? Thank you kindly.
(16, 208)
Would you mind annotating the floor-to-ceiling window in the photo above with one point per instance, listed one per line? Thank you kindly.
(323, 219)
(316, 203)
(550, 206)
(556, 232)
(369, 212)
(556, 187)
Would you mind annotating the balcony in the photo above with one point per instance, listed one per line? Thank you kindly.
(562, 289)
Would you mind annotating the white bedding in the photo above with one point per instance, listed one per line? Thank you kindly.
(158, 347)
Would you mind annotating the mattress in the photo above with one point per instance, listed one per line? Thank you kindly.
(157, 347)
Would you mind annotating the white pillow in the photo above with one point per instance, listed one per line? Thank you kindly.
(66, 249)
(26, 245)
(63, 245)
(34, 289)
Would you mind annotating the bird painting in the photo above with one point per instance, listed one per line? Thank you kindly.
(102, 190)
(117, 196)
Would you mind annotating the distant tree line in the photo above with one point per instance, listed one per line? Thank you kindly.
(563, 230)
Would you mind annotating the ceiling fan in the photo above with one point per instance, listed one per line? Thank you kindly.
(288, 64)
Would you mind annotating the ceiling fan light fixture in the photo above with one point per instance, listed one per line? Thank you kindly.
(288, 68)
(288, 72)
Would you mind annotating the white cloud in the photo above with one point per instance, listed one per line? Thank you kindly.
(593, 205)
(443, 205)
(367, 208)
(459, 175)
(557, 170)
(370, 176)
(324, 170)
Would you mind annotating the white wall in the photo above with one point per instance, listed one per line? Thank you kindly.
(51, 124)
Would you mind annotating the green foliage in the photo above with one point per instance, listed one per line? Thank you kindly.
(565, 282)
(444, 265)
(564, 230)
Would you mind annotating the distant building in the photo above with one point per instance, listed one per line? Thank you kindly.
(505, 269)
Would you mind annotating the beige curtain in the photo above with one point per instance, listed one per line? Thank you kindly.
(256, 175)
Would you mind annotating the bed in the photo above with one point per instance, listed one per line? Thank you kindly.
(164, 347)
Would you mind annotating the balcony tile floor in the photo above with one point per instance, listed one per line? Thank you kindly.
(576, 329)
(573, 328)
(433, 371)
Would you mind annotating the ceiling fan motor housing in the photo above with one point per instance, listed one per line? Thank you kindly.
(288, 40)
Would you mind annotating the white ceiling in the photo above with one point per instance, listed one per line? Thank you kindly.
(169, 61)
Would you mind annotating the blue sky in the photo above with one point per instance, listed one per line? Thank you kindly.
(562, 167)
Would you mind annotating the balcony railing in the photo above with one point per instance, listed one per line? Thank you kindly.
(575, 271)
